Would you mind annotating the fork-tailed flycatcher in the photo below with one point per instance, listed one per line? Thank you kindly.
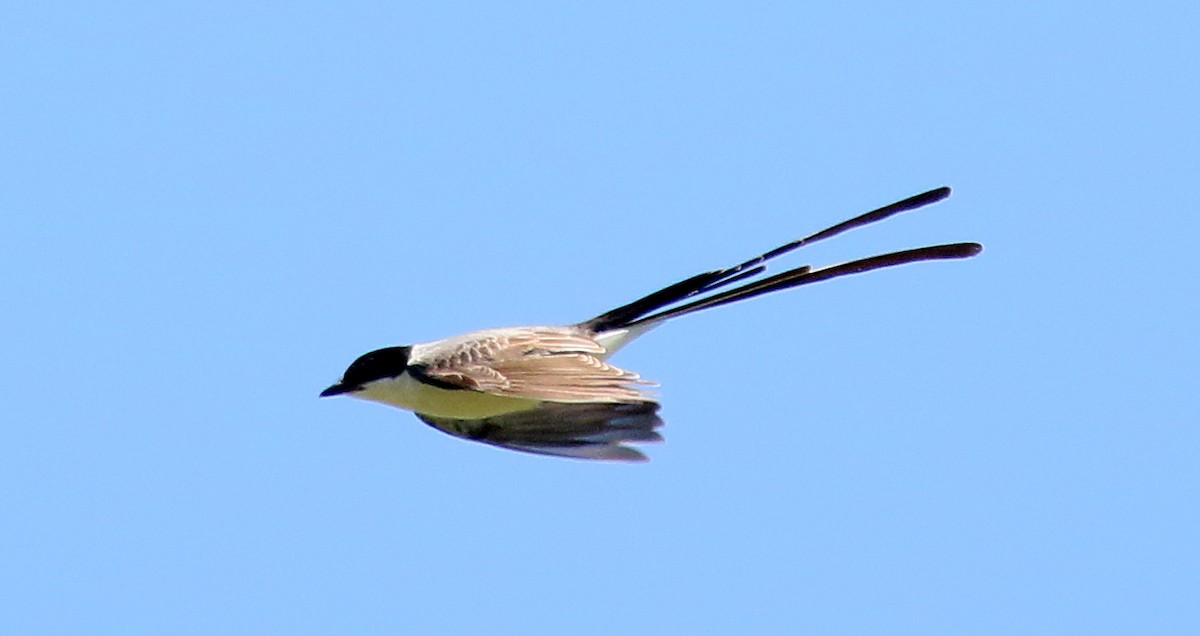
(551, 390)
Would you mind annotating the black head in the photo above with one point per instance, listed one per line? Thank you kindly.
(377, 365)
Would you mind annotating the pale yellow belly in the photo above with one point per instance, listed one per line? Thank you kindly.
(411, 395)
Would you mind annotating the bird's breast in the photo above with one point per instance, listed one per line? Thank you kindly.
(411, 394)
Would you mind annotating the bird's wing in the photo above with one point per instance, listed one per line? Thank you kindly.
(579, 431)
(541, 363)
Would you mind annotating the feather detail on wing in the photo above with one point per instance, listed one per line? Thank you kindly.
(580, 431)
(541, 363)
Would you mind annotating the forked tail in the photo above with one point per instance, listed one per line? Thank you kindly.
(657, 307)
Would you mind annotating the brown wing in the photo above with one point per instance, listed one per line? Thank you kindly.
(553, 364)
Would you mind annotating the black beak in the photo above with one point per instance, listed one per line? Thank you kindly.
(338, 389)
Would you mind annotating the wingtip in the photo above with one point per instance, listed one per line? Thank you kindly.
(628, 455)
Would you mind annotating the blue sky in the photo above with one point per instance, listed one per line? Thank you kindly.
(209, 210)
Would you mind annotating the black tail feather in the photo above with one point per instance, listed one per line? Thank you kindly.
(626, 314)
(637, 311)
(805, 275)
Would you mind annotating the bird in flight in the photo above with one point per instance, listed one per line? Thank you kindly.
(551, 390)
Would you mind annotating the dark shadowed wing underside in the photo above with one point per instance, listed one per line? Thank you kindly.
(580, 431)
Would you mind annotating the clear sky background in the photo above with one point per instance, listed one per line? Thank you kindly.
(208, 211)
